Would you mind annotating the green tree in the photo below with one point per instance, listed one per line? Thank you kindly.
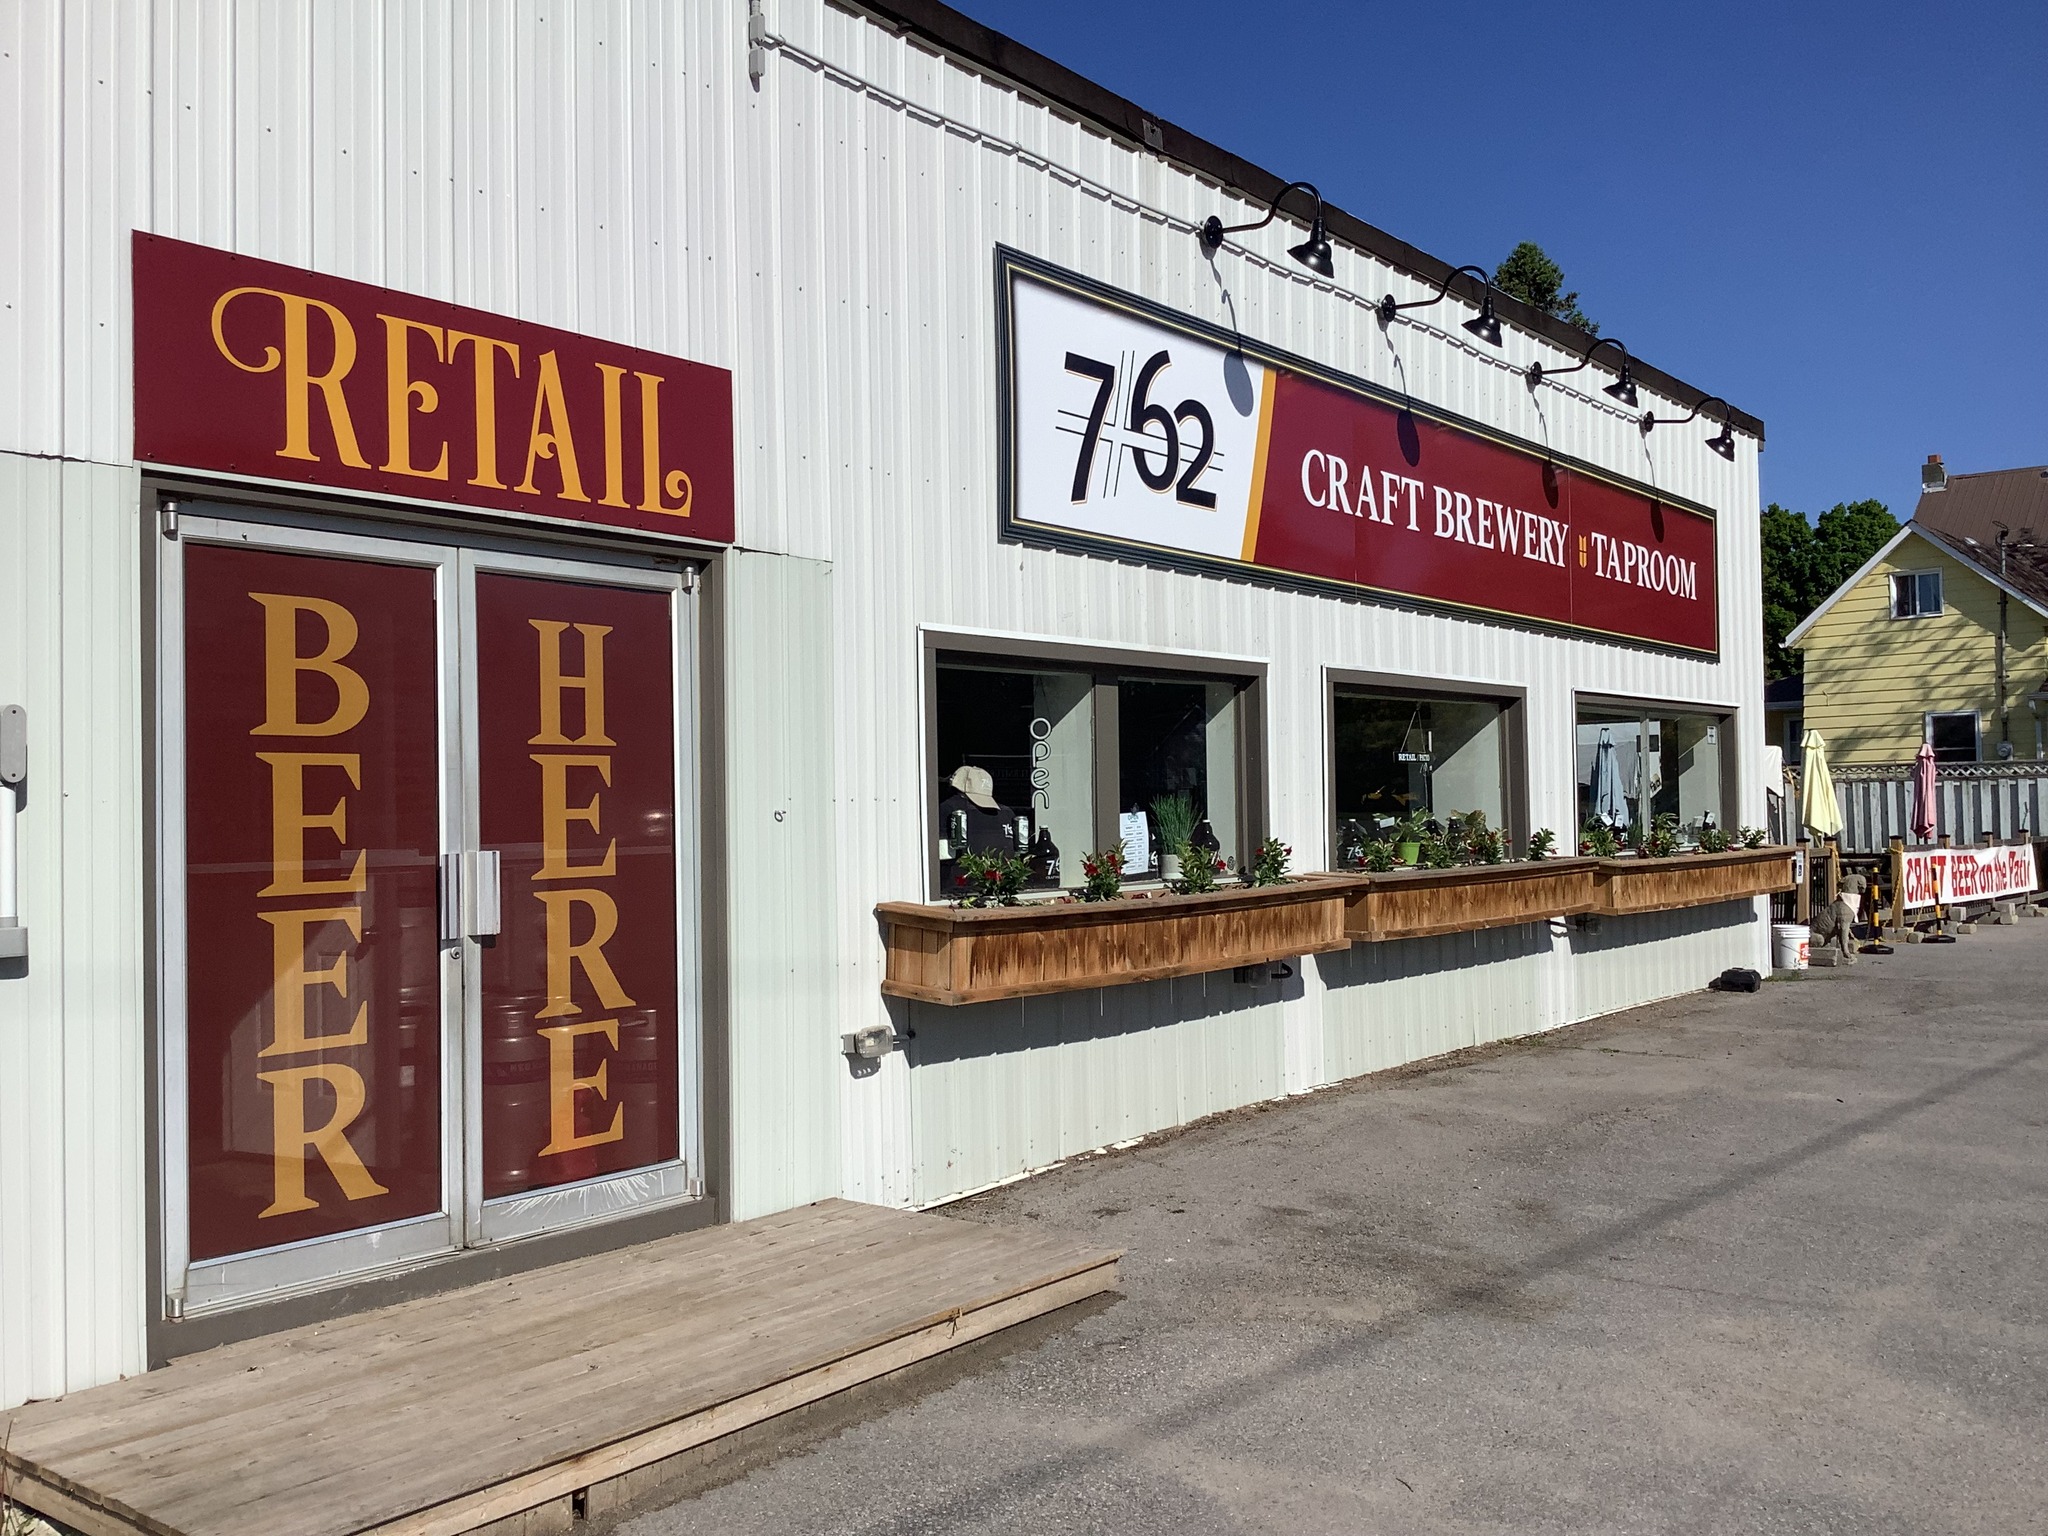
(1845, 536)
(1787, 540)
(1530, 275)
(1804, 562)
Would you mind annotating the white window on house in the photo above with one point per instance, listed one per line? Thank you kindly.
(1916, 594)
(1954, 736)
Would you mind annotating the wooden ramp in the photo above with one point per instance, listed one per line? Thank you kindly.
(507, 1401)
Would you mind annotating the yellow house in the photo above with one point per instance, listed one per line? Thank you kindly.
(1942, 636)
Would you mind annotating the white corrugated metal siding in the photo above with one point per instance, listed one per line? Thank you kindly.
(908, 182)
(71, 1020)
(606, 166)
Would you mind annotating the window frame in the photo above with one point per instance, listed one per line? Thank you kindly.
(1976, 719)
(1512, 698)
(1106, 664)
(1917, 576)
(1728, 715)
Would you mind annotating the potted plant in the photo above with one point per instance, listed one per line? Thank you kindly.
(1542, 845)
(1597, 839)
(1175, 814)
(1104, 872)
(1269, 864)
(991, 879)
(1408, 837)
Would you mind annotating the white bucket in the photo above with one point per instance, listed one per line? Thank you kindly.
(1789, 943)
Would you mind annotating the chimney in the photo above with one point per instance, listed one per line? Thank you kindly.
(1933, 477)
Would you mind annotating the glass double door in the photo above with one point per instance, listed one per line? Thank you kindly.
(429, 902)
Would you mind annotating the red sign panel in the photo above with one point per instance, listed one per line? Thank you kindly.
(260, 369)
(1137, 431)
(576, 727)
(313, 981)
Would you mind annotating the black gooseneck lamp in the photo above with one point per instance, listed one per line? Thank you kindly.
(1485, 325)
(1313, 253)
(1724, 444)
(1623, 388)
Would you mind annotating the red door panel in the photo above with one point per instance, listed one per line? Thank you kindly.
(312, 790)
(576, 791)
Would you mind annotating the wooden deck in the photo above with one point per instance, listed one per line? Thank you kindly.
(505, 1403)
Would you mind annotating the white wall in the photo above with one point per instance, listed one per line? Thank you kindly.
(606, 166)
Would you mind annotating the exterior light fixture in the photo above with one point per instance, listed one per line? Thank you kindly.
(1724, 444)
(1313, 253)
(1623, 388)
(1485, 325)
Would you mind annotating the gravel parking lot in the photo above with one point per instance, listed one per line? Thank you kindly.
(1729, 1263)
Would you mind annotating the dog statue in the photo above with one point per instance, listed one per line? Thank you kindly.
(1836, 923)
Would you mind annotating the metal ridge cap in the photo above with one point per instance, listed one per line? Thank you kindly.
(1003, 57)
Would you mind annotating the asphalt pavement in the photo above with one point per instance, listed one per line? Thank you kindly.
(1724, 1264)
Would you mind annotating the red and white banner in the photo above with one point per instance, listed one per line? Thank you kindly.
(1947, 875)
(1134, 430)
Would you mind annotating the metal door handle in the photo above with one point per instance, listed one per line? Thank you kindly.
(451, 900)
(13, 770)
(484, 916)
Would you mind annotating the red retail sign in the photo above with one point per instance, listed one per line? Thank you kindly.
(272, 371)
(1130, 430)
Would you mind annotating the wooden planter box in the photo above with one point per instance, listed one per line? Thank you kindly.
(979, 954)
(1412, 904)
(1691, 879)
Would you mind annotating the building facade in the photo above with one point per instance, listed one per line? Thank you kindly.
(525, 524)
(1942, 636)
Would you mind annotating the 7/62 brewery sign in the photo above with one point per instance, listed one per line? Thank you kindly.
(1131, 429)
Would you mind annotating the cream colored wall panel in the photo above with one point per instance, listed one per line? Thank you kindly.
(782, 853)
(72, 1190)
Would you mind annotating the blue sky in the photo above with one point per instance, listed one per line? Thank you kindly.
(1834, 215)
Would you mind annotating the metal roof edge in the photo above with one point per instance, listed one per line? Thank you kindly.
(991, 52)
(1953, 546)
(1941, 544)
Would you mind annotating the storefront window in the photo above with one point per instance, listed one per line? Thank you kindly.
(1027, 756)
(1635, 765)
(1016, 768)
(1401, 756)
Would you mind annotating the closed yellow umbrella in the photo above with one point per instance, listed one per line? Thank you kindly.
(1818, 809)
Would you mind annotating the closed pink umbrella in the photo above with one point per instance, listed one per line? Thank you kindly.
(1923, 794)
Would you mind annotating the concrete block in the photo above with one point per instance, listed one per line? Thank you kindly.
(1828, 958)
(1960, 930)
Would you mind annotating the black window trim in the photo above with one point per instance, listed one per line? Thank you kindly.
(1976, 719)
(1106, 663)
(1513, 698)
(1730, 716)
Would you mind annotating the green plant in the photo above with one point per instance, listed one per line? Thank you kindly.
(1378, 855)
(1439, 851)
(1176, 816)
(1105, 872)
(1716, 839)
(1660, 839)
(1542, 845)
(1597, 839)
(1198, 871)
(1408, 829)
(1477, 842)
(1752, 837)
(1269, 864)
(991, 879)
